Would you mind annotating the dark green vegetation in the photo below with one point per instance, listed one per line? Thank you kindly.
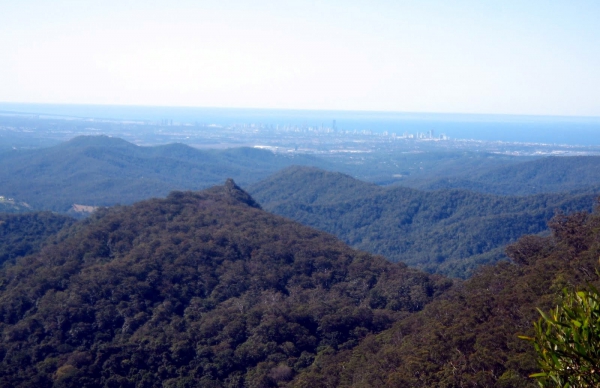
(103, 171)
(546, 175)
(24, 234)
(198, 289)
(446, 231)
(468, 337)
(206, 289)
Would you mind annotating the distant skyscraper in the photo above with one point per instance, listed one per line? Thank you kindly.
(333, 125)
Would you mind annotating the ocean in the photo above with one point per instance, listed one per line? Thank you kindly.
(582, 131)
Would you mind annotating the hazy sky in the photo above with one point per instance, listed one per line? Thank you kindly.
(500, 56)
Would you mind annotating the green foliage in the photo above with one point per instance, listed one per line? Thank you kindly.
(466, 337)
(24, 234)
(567, 341)
(197, 289)
(448, 231)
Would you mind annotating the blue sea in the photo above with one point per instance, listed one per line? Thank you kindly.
(583, 131)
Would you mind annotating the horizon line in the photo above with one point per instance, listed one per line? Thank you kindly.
(361, 111)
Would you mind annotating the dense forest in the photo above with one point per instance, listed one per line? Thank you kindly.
(546, 175)
(446, 231)
(24, 234)
(104, 171)
(468, 336)
(198, 289)
(207, 289)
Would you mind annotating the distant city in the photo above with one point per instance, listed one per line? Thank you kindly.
(327, 138)
(26, 131)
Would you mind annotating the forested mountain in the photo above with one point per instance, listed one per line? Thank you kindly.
(468, 336)
(551, 174)
(446, 231)
(23, 234)
(103, 171)
(198, 289)
(418, 166)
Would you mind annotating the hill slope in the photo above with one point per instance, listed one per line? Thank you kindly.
(103, 171)
(446, 231)
(198, 289)
(24, 234)
(546, 175)
(468, 336)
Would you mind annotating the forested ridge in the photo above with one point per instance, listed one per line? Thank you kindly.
(104, 171)
(198, 289)
(207, 289)
(446, 231)
(468, 337)
(552, 174)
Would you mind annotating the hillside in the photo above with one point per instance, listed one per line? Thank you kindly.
(412, 166)
(24, 234)
(103, 171)
(446, 231)
(198, 289)
(468, 336)
(547, 175)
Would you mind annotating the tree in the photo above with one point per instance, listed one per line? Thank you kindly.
(567, 341)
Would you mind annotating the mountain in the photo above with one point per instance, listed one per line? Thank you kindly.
(198, 289)
(103, 171)
(445, 231)
(468, 336)
(547, 175)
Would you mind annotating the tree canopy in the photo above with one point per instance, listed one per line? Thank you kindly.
(451, 232)
(468, 337)
(198, 289)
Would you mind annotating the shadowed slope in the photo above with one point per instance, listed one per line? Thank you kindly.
(23, 234)
(547, 175)
(203, 289)
(446, 231)
(468, 336)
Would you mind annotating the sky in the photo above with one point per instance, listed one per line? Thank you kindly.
(533, 57)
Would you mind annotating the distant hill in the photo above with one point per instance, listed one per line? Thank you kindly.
(11, 205)
(468, 336)
(547, 175)
(416, 166)
(446, 231)
(103, 171)
(201, 289)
